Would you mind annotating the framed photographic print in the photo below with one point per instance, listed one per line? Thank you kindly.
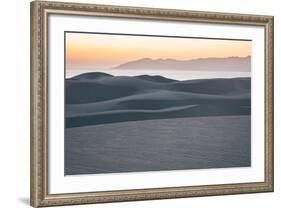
(138, 103)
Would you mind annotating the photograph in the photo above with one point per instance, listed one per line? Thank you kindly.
(141, 102)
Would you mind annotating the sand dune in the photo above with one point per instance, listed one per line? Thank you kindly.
(97, 98)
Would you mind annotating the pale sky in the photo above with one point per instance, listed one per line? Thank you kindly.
(103, 51)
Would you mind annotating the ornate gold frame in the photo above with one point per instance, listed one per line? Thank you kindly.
(39, 104)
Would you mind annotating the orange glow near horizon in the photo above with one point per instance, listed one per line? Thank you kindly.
(84, 51)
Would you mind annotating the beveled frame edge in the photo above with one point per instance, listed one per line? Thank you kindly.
(39, 104)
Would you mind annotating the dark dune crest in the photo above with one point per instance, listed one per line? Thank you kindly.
(91, 75)
(155, 78)
(97, 98)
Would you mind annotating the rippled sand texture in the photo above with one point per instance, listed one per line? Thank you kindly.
(153, 145)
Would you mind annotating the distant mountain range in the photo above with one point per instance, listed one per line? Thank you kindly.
(99, 98)
(239, 64)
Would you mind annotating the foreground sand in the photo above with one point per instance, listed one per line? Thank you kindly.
(153, 145)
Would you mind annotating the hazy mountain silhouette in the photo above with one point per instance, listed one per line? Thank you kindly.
(242, 64)
(97, 98)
